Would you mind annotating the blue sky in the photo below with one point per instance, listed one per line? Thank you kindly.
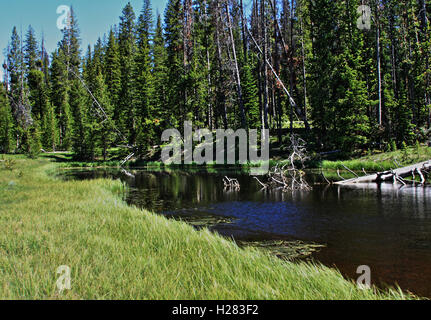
(94, 19)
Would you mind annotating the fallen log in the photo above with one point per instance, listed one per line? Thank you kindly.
(351, 171)
(418, 170)
(389, 175)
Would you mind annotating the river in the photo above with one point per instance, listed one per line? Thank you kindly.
(385, 227)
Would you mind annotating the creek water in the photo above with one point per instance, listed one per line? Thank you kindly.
(386, 227)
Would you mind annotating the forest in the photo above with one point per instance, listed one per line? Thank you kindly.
(291, 66)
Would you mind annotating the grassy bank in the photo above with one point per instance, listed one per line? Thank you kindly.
(120, 252)
(383, 161)
(373, 163)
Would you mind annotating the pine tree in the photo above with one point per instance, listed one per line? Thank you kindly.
(70, 54)
(49, 138)
(159, 100)
(99, 134)
(352, 126)
(323, 67)
(31, 50)
(127, 48)
(70, 46)
(338, 91)
(38, 91)
(251, 100)
(60, 99)
(82, 145)
(44, 58)
(112, 71)
(19, 91)
(6, 123)
(175, 62)
(143, 80)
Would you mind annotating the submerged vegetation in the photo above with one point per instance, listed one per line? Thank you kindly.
(288, 250)
(120, 252)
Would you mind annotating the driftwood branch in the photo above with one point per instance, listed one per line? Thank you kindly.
(351, 171)
(231, 184)
(288, 177)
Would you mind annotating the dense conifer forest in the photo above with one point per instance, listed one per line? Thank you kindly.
(289, 66)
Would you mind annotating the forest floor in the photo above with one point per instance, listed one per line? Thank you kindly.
(116, 251)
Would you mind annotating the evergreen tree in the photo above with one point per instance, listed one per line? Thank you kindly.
(127, 48)
(49, 129)
(161, 113)
(81, 144)
(70, 46)
(60, 99)
(251, 100)
(19, 92)
(99, 124)
(338, 92)
(6, 122)
(73, 122)
(143, 80)
(175, 61)
(112, 71)
(31, 55)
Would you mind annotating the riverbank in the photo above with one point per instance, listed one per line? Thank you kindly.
(382, 161)
(373, 163)
(120, 252)
(376, 161)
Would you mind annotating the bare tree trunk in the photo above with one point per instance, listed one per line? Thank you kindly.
(427, 65)
(304, 75)
(393, 53)
(276, 91)
(244, 36)
(264, 67)
(221, 97)
(187, 43)
(235, 61)
(291, 67)
(379, 73)
(210, 109)
(275, 75)
(301, 113)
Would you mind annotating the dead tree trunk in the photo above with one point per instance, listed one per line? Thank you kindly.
(264, 67)
(379, 72)
(235, 62)
(287, 176)
(221, 97)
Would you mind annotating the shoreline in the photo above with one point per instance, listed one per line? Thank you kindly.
(120, 252)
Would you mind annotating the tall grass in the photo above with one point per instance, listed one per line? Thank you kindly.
(121, 252)
(383, 161)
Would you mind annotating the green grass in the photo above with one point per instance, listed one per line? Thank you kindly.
(121, 252)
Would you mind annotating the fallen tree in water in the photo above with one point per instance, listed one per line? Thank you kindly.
(397, 175)
(231, 184)
(290, 175)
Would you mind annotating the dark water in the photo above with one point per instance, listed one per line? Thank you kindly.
(385, 227)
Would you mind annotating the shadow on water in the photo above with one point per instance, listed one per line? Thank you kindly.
(385, 227)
